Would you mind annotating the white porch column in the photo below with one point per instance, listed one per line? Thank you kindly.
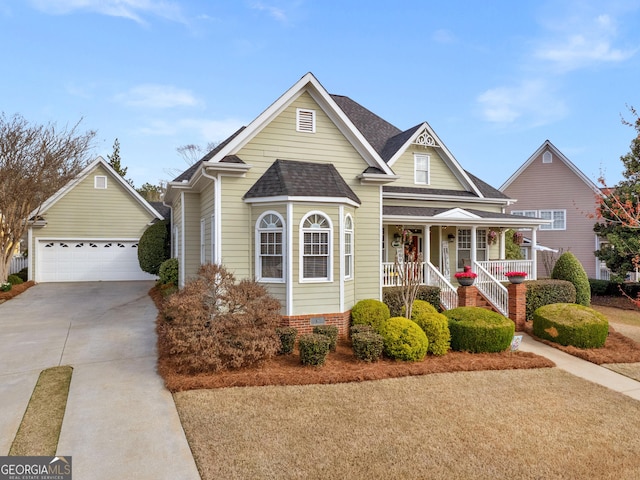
(426, 246)
(473, 245)
(534, 253)
(503, 240)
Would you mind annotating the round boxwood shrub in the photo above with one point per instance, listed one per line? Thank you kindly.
(475, 329)
(569, 268)
(421, 306)
(313, 349)
(403, 339)
(14, 279)
(287, 337)
(571, 324)
(361, 328)
(169, 272)
(367, 346)
(436, 326)
(369, 312)
(154, 247)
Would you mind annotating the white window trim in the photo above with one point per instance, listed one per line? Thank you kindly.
(525, 213)
(300, 112)
(547, 157)
(348, 257)
(96, 182)
(301, 232)
(258, 245)
(417, 156)
(550, 226)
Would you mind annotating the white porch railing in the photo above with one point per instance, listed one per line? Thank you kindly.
(448, 294)
(492, 289)
(17, 264)
(497, 268)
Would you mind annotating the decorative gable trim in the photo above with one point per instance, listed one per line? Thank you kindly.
(426, 137)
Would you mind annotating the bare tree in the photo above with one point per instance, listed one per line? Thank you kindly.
(35, 162)
(410, 274)
(191, 154)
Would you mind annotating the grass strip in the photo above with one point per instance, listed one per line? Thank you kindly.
(39, 430)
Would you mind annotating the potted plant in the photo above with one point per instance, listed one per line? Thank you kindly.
(466, 277)
(516, 277)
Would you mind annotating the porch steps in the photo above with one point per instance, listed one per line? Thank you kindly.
(482, 302)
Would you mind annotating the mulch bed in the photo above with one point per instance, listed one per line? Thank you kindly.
(15, 291)
(617, 348)
(341, 367)
(621, 302)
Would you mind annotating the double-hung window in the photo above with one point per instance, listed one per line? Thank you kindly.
(316, 233)
(421, 168)
(558, 217)
(270, 257)
(348, 247)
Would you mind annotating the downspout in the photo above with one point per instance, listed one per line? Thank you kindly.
(289, 261)
(32, 254)
(217, 196)
(183, 261)
(534, 253)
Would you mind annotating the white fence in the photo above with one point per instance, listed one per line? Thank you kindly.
(17, 264)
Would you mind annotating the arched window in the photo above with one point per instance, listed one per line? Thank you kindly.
(316, 247)
(270, 247)
(348, 247)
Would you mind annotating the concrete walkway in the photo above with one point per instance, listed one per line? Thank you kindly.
(581, 368)
(120, 421)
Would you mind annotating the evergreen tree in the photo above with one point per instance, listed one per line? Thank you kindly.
(619, 213)
(114, 161)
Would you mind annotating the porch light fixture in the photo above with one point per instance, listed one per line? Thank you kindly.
(451, 237)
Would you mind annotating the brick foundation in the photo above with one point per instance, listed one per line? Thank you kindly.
(303, 322)
(467, 296)
(518, 304)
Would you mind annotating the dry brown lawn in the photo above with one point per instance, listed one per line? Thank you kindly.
(528, 424)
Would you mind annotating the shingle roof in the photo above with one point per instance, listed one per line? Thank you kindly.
(162, 209)
(430, 212)
(428, 191)
(301, 179)
(376, 130)
(188, 173)
(394, 143)
(487, 190)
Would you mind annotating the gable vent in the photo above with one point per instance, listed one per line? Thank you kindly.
(547, 157)
(305, 120)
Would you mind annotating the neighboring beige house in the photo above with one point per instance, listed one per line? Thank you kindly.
(89, 230)
(312, 199)
(549, 186)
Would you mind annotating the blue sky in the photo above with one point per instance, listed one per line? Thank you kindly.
(494, 79)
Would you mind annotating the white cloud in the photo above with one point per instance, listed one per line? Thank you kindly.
(134, 10)
(207, 130)
(281, 14)
(157, 96)
(583, 42)
(443, 36)
(530, 103)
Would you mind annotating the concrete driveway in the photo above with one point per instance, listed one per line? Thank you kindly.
(120, 421)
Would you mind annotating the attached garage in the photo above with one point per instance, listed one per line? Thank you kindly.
(89, 261)
(89, 230)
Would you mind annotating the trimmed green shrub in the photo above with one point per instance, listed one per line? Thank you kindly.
(571, 324)
(436, 326)
(475, 329)
(168, 273)
(287, 337)
(569, 268)
(392, 296)
(14, 279)
(369, 312)
(598, 287)
(367, 346)
(403, 339)
(361, 328)
(421, 306)
(331, 332)
(24, 274)
(545, 292)
(313, 349)
(5, 286)
(154, 247)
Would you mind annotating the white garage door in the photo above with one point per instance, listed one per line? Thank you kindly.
(89, 261)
